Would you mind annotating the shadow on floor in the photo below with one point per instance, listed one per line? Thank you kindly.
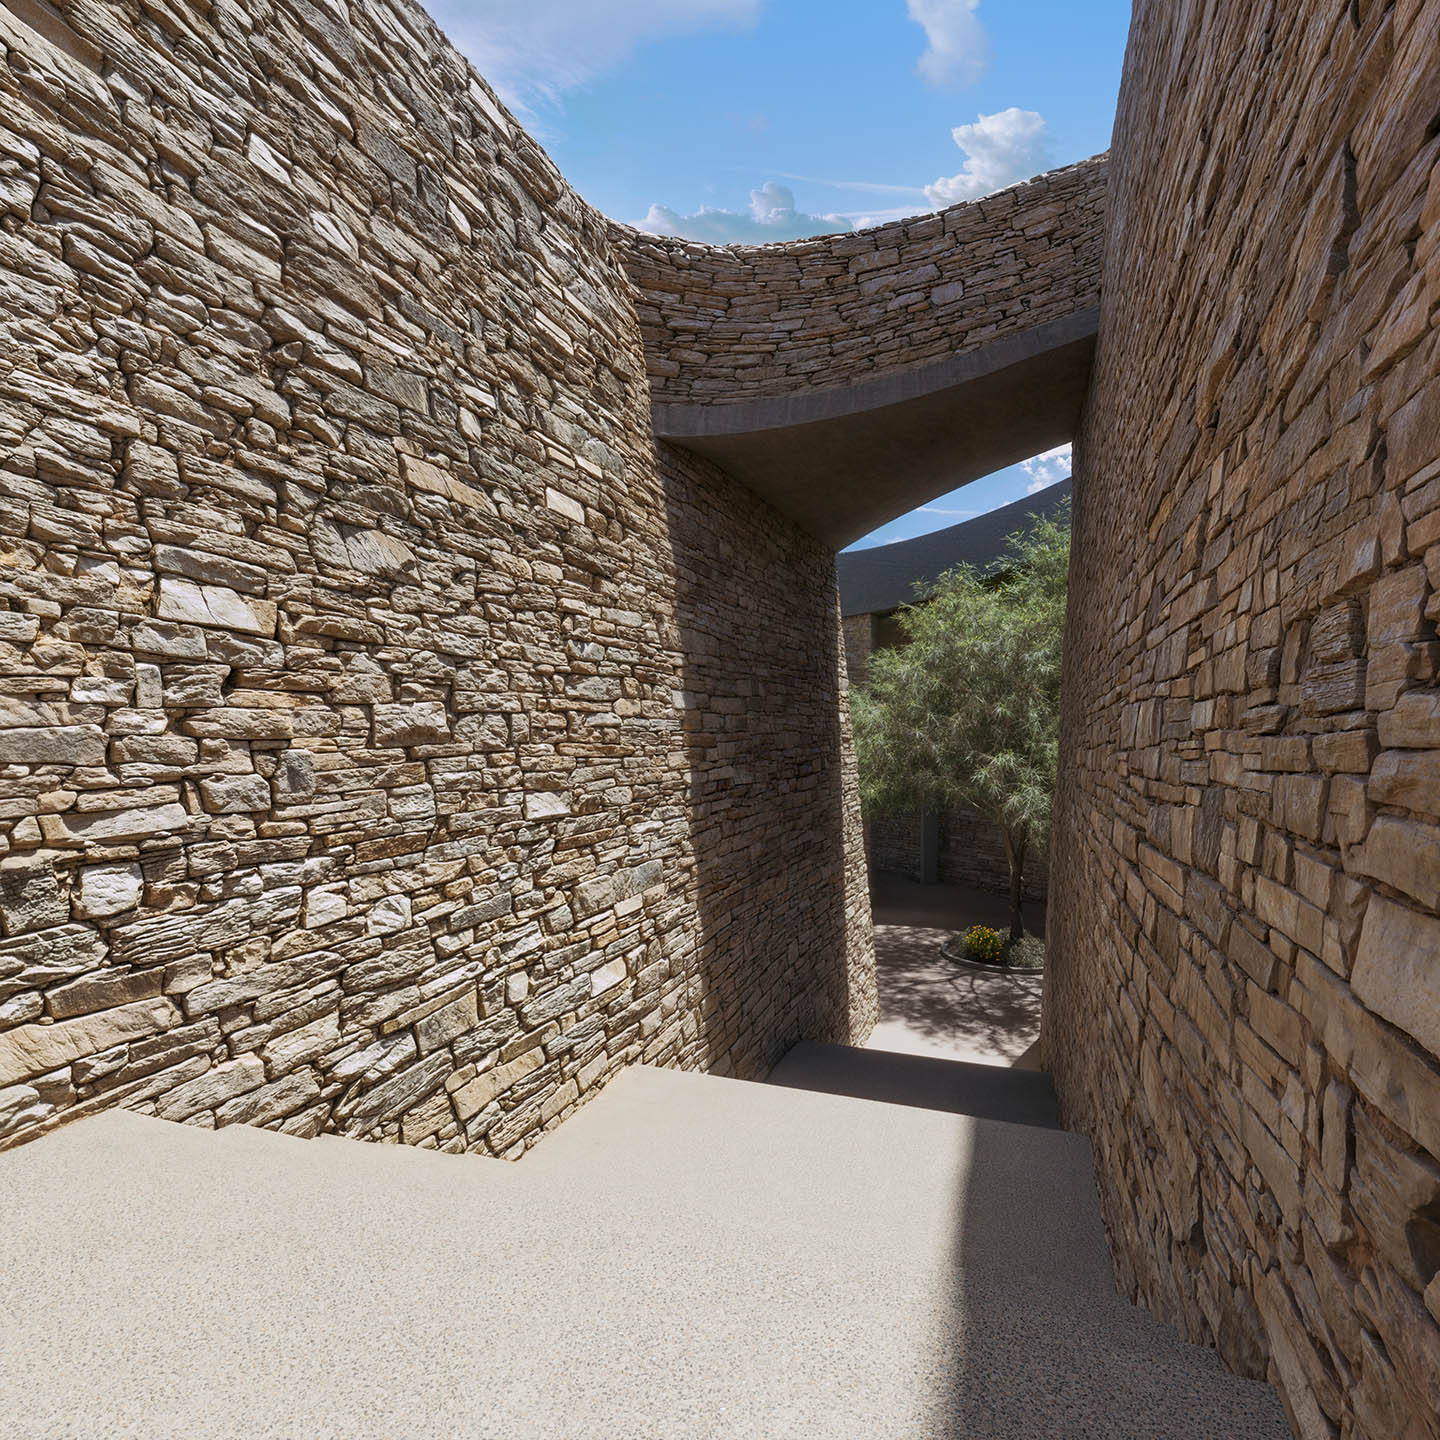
(931, 1006)
(988, 1092)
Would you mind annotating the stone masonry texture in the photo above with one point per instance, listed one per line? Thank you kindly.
(392, 741)
(1243, 1005)
(748, 322)
(971, 853)
(396, 740)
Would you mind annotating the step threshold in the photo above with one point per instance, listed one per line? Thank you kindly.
(957, 1087)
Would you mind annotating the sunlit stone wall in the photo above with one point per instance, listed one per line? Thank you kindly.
(733, 323)
(1243, 1006)
(391, 740)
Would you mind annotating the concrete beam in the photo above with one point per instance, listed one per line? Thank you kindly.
(844, 460)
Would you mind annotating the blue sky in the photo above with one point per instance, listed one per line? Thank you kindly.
(759, 120)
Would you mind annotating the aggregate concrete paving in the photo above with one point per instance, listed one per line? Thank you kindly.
(1020, 1097)
(686, 1257)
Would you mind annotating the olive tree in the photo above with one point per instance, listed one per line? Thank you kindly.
(965, 712)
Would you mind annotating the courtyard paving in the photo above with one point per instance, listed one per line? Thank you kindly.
(930, 1006)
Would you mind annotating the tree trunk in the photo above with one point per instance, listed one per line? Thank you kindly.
(1015, 854)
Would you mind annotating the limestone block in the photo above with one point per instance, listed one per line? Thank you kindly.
(371, 552)
(33, 1049)
(545, 805)
(471, 1099)
(173, 642)
(562, 504)
(21, 1106)
(1407, 778)
(294, 777)
(209, 570)
(1406, 854)
(1413, 435)
(303, 1045)
(1396, 1193)
(157, 936)
(551, 1004)
(1396, 974)
(400, 1092)
(270, 1102)
(30, 896)
(1336, 1134)
(206, 1092)
(103, 991)
(183, 602)
(324, 905)
(100, 690)
(444, 1025)
(388, 916)
(235, 794)
(53, 745)
(422, 723)
(97, 827)
(521, 942)
(607, 977)
(1413, 723)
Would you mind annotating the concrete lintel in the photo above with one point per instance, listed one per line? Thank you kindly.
(843, 461)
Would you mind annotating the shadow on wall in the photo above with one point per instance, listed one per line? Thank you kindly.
(782, 930)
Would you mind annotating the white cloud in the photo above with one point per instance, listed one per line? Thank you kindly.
(959, 50)
(999, 150)
(533, 51)
(1047, 469)
(772, 216)
(941, 510)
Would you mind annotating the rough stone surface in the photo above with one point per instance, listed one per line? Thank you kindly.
(394, 742)
(724, 324)
(472, 746)
(1241, 1007)
(971, 853)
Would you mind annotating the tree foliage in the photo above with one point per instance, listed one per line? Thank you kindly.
(966, 711)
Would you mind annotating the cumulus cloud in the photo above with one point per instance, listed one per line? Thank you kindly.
(958, 49)
(999, 149)
(533, 51)
(1047, 469)
(772, 216)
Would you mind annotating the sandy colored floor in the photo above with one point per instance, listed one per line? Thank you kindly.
(929, 1006)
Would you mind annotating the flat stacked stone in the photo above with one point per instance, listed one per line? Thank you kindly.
(1243, 1007)
(723, 324)
(391, 741)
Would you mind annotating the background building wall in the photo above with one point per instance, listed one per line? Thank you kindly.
(971, 853)
(1243, 1000)
(393, 742)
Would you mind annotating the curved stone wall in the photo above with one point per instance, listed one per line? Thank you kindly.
(393, 739)
(1243, 1006)
(730, 323)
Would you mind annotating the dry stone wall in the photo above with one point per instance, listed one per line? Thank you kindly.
(1243, 1006)
(744, 322)
(970, 853)
(391, 741)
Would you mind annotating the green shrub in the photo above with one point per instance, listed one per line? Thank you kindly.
(984, 945)
(1026, 953)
